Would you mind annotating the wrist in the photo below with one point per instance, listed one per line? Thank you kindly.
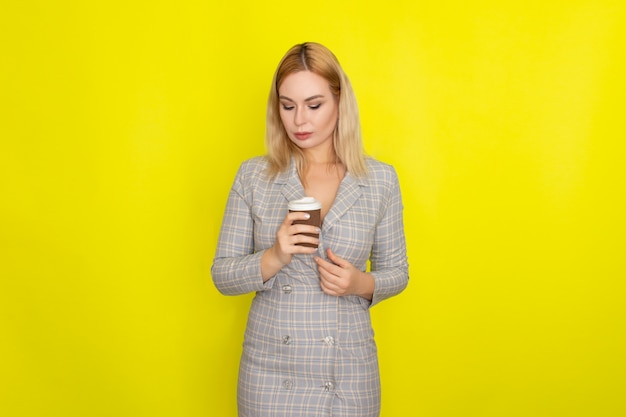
(271, 264)
(278, 260)
(367, 286)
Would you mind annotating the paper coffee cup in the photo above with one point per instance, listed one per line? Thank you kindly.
(314, 208)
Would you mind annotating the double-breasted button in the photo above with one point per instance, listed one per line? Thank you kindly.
(288, 384)
(286, 289)
(286, 339)
(329, 386)
(330, 341)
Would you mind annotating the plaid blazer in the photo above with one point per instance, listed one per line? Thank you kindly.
(307, 353)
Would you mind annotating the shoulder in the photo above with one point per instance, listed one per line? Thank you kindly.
(379, 172)
(253, 169)
(252, 174)
(254, 165)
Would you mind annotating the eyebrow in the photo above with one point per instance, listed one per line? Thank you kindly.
(306, 99)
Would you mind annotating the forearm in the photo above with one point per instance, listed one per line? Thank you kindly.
(270, 264)
(238, 275)
(389, 282)
(366, 286)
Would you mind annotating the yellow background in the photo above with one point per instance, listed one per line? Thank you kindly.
(122, 125)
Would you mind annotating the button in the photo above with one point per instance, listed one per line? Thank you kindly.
(329, 386)
(288, 384)
(330, 341)
(287, 339)
(287, 289)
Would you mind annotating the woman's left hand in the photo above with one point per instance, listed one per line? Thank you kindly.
(341, 277)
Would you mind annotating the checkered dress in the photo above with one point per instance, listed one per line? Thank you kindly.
(306, 353)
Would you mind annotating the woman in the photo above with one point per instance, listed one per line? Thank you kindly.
(309, 347)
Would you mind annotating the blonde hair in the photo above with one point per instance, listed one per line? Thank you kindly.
(347, 143)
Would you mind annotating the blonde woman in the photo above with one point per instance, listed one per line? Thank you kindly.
(309, 347)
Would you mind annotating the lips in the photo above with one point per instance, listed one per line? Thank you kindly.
(303, 135)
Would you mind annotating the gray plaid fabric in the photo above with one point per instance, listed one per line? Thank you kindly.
(306, 353)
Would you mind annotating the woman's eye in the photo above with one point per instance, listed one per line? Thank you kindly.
(315, 106)
(285, 107)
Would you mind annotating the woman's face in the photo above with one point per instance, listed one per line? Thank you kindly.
(308, 109)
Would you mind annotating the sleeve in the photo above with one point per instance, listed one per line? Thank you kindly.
(236, 267)
(389, 264)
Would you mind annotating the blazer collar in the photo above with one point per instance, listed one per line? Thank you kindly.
(291, 188)
(350, 189)
(349, 192)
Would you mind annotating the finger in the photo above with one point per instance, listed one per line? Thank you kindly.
(335, 259)
(327, 275)
(293, 244)
(325, 289)
(323, 266)
(304, 249)
(294, 216)
(305, 240)
(329, 288)
(304, 228)
(331, 268)
(331, 281)
(332, 289)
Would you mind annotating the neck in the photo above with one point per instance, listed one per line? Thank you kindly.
(321, 157)
(328, 162)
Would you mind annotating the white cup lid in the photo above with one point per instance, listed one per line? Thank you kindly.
(305, 204)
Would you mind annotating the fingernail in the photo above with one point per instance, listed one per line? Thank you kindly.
(307, 216)
(318, 230)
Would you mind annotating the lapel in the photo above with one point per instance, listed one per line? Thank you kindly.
(349, 192)
(291, 187)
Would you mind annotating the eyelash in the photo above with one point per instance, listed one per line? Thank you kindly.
(312, 107)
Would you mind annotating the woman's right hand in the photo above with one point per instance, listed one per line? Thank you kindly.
(286, 244)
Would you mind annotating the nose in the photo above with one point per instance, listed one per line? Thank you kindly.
(299, 116)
